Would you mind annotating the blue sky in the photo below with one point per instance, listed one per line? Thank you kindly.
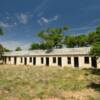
(22, 19)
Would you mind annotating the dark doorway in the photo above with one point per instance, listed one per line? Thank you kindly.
(34, 60)
(25, 61)
(15, 60)
(94, 62)
(59, 61)
(76, 62)
(47, 61)
(4, 60)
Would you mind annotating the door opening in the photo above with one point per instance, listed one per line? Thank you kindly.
(25, 61)
(34, 60)
(47, 61)
(94, 62)
(59, 61)
(15, 60)
(76, 62)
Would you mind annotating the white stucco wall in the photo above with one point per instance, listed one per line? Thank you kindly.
(64, 61)
(98, 62)
(82, 64)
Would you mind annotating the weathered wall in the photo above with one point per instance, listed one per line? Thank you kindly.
(64, 61)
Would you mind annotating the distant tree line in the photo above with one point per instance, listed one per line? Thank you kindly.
(55, 38)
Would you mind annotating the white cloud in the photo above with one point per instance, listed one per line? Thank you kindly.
(44, 20)
(23, 18)
(13, 44)
(4, 25)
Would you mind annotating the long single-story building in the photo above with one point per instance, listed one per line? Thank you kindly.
(65, 57)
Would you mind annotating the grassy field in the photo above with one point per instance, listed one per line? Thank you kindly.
(48, 83)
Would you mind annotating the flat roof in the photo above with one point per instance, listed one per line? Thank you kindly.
(54, 52)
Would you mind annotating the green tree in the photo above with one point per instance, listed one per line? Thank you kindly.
(70, 41)
(1, 47)
(81, 40)
(92, 37)
(34, 46)
(95, 50)
(53, 36)
(98, 29)
(1, 31)
(18, 49)
(6, 50)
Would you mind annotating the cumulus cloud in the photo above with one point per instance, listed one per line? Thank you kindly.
(4, 25)
(23, 18)
(44, 20)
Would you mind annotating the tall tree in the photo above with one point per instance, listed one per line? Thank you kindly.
(1, 47)
(70, 41)
(54, 36)
(95, 50)
(34, 46)
(18, 49)
(1, 31)
(81, 40)
(98, 29)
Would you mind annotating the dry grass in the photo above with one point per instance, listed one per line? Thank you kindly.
(48, 83)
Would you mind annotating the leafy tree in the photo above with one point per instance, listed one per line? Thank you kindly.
(98, 29)
(18, 49)
(81, 40)
(1, 48)
(95, 50)
(92, 37)
(53, 36)
(1, 31)
(6, 50)
(70, 41)
(46, 45)
(34, 46)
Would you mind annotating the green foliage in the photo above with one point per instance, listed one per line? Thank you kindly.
(18, 49)
(1, 49)
(1, 31)
(34, 46)
(53, 37)
(93, 37)
(76, 41)
(70, 41)
(81, 40)
(46, 45)
(98, 29)
(6, 50)
(95, 50)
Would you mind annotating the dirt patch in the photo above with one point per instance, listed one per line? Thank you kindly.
(79, 95)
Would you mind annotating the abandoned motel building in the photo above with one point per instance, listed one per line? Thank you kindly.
(65, 57)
